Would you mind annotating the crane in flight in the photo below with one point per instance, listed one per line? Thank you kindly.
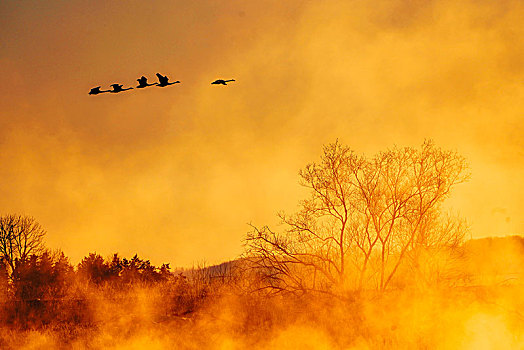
(163, 80)
(222, 81)
(118, 88)
(142, 83)
(96, 91)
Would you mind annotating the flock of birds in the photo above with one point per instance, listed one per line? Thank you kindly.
(163, 81)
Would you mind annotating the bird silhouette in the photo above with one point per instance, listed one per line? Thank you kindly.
(118, 88)
(142, 83)
(164, 80)
(96, 91)
(222, 81)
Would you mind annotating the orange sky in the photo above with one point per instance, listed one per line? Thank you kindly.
(175, 174)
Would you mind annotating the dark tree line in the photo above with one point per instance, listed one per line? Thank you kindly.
(121, 270)
(41, 288)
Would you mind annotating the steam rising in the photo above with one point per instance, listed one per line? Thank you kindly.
(463, 315)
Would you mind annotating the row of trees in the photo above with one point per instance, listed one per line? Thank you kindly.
(22, 253)
(45, 290)
(49, 276)
(41, 288)
(97, 270)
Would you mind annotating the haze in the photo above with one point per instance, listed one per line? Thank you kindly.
(175, 174)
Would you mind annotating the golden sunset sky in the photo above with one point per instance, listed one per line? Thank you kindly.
(175, 174)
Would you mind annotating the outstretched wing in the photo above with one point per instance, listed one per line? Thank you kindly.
(162, 78)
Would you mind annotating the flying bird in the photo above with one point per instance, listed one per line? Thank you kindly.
(222, 81)
(164, 80)
(142, 83)
(96, 91)
(118, 88)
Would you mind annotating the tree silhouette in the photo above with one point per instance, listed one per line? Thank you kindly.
(20, 237)
(94, 269)
(363, 219)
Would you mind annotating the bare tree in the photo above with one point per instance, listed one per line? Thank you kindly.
(20, 237)
(364, 218)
